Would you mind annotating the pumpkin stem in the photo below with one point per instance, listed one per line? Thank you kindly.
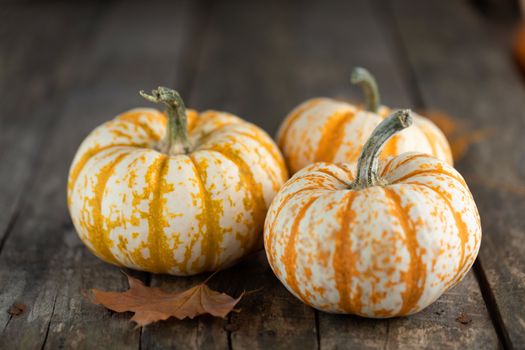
(368, 163)
(361, 76)
(176, 140)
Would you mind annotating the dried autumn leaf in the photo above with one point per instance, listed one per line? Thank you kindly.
(457, 132)
(152, 304)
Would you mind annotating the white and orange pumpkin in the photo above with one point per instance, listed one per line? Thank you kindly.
(387, 242)
(328, 130)
(181, 194)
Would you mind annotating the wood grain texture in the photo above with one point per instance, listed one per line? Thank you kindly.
(43, 261)
(33, 77)
(465, 71)
(33, 80)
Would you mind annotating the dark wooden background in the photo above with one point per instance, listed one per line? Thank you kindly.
(66, 67)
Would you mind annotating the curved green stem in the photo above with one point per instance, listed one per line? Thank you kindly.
(366, 80)
(176, 140)
(367, 165)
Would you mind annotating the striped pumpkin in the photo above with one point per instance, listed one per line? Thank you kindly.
(192, 201)
(385, 243)
(327, 130)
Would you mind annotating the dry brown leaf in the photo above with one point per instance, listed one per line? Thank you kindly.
(152, 304)
(457, 132)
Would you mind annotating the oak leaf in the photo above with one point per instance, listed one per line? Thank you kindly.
(152, 304)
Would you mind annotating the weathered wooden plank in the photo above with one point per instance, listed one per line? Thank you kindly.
(45, 266)
(306, 50)
(468, 73)
(35, 67)
(33, 70)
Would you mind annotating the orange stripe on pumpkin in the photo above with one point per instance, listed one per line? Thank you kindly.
(386, 168)
(270, 251)
(436, 171)
(461, 226)
(415, 277)
(403, 162)
(97, 234)
(290, 251)
(158, 244)
(322, 182)
(220, 123)
(193, 117)
(290, 120)
(390, 148)
(334, 176)
(134, 118)
(344, 260)
(270, 148)
(151, 134)
(277, 179)
(88, 154)
(347, 171)
(209, 218)
(332, 136)
(255, 198)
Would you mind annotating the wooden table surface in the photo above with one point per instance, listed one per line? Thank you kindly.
(66, 68)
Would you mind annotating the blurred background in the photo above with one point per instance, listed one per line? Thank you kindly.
(256, 59)
(68, 66)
